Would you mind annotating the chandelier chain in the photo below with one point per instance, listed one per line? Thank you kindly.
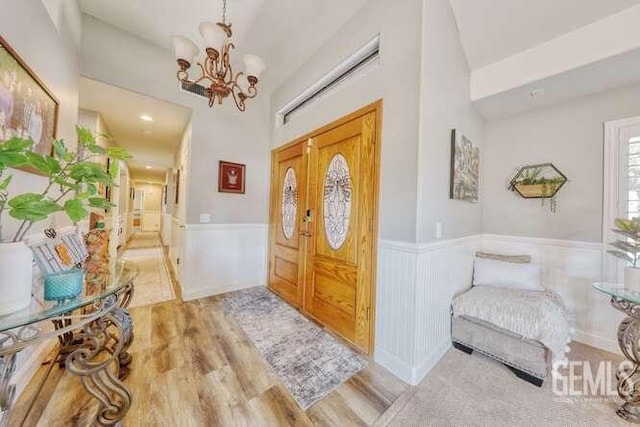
(224, 11)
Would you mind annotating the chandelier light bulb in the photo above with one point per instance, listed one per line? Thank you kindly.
(213, 35)
(254, 65)
(184, 49)
(214, 77)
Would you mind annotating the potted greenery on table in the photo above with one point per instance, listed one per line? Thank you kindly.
(628, 250)
(71, 187)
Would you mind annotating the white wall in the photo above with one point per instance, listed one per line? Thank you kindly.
(396, 80)
(416, 281)
(178, 220)
(445, 104)
(152, 206)
(218, 133)
(570, 135)
(59, 71)
(229, 256)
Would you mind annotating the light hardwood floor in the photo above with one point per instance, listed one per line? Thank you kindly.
(194, 366)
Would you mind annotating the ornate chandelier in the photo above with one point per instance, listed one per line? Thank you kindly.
(217, 80)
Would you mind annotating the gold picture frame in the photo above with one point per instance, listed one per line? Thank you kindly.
(28, 109)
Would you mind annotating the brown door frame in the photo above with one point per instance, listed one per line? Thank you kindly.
(373, 107)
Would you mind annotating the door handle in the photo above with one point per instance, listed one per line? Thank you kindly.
(305, 234)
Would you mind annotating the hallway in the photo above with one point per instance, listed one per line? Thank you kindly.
(153, 284)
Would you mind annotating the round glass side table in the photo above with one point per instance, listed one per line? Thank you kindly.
(94, 332)
(627, 301)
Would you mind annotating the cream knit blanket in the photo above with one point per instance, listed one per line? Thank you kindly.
(535, 315)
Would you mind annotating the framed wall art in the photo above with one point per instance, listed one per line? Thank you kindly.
(465, 168)
(27, 108)
(231, 177)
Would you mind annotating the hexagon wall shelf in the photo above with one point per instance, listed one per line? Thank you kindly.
(541, 181)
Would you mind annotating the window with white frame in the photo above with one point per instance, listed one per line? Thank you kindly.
(359, 63)
(630, 188)
(621, 184)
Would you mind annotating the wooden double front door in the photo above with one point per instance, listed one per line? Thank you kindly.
(323, 224)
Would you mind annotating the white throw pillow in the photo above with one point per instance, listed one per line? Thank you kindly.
(500, 274)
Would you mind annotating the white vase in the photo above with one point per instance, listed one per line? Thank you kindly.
(16, 277)
(632, 278)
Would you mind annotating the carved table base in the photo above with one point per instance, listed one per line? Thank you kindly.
(95, 345)
(96, 363)
(629, 375)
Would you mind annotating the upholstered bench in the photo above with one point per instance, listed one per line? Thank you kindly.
(507, 316)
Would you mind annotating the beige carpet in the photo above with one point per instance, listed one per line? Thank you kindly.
(472, 390)
(153, 284)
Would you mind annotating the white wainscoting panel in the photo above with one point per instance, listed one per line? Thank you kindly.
(130, 227)
(176, 246)
(165, 229)
(444, 269)
(417, 282)
(219, 258)
(414, 291)
(395, 307)
(570, 268)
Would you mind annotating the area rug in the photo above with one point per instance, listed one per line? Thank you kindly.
(152, 285)
(472, 390)
(308, 360)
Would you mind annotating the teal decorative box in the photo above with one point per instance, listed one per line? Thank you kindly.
(67, 284)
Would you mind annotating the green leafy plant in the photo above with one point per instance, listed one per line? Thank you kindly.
(534, 177)
(73, 179)
(629, 248)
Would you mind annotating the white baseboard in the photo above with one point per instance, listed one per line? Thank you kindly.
(203, 292)
(421, 371)
(394, 364)
(596, 341)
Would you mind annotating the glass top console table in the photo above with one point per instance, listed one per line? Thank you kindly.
(627, 301)
(94, 331)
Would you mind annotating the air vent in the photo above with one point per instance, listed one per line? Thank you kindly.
(195, 89)
(355, 65)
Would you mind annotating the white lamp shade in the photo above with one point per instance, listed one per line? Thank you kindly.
(254, 65)
(183, 48)
(213, 35)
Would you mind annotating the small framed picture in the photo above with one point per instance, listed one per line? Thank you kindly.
(231, 177)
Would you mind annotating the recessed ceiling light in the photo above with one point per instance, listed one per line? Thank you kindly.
(146, 118)
(148, 167)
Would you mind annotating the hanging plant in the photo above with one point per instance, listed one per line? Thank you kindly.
(542, 181)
